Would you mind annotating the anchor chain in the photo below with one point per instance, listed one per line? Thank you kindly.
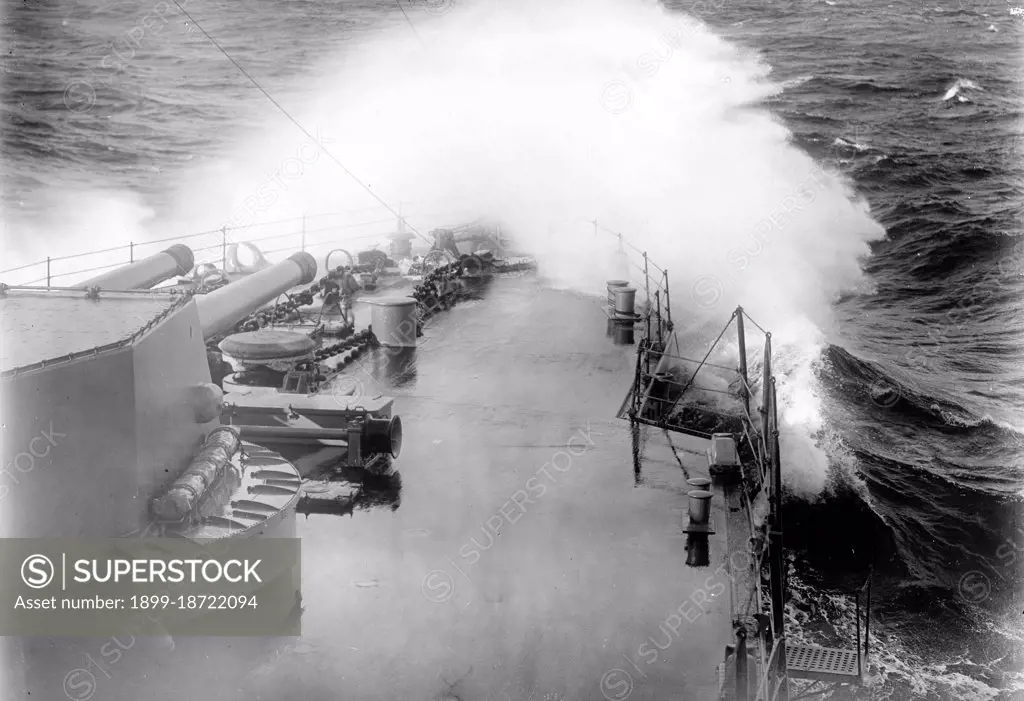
(280, 312)
(438, 290)
(354, 345)
(363, 338)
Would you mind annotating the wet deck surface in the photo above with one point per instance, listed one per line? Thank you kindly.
(523, 558)
(522, 561)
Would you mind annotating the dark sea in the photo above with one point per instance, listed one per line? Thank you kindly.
(126, 121)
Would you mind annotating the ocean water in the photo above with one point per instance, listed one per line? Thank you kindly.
(849, 172)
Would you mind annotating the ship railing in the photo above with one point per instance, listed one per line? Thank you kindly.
(674, 397)
(314, 232)
(667, 380)
(669, 392)
(676, 392)
(667, 384)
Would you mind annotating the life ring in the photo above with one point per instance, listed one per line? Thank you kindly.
(236, 266)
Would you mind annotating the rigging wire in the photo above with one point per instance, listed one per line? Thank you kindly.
(411, 26)
(296, 122)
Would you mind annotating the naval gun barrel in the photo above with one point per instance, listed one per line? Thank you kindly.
(143, 274)
(221, 309)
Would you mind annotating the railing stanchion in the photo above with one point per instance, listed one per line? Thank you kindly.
(766, 376)
(657, 300)
(778, 569)
(741, 338)
(647, 342)
(131, 251)
(668, 300)
(647, 282)
(224, 248)
(776, 462)
(47, 272)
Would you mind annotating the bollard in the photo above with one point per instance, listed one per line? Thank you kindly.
(699, 483)
(394, 321)
(613, 285)
(700, 506)
(625, 301)
(624, 334)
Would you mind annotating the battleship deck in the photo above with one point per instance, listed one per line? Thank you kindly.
(522, 557)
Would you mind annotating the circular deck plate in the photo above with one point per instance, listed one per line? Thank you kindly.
(267, 344)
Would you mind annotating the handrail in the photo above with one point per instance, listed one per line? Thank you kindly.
(697, 362)
(762, 437)
(759, 429)
(79, 272)
(761, 434)
(224, 232)
(623, 239)
(185, 237)
(702, 362)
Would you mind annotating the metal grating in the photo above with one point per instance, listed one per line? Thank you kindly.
(826, 663)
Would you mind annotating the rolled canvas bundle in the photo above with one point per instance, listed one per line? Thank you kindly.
(202, 473)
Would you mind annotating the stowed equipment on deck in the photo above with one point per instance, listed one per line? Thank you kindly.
(231, 488)
(364, 426)
(281, 388)
(289, 410)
